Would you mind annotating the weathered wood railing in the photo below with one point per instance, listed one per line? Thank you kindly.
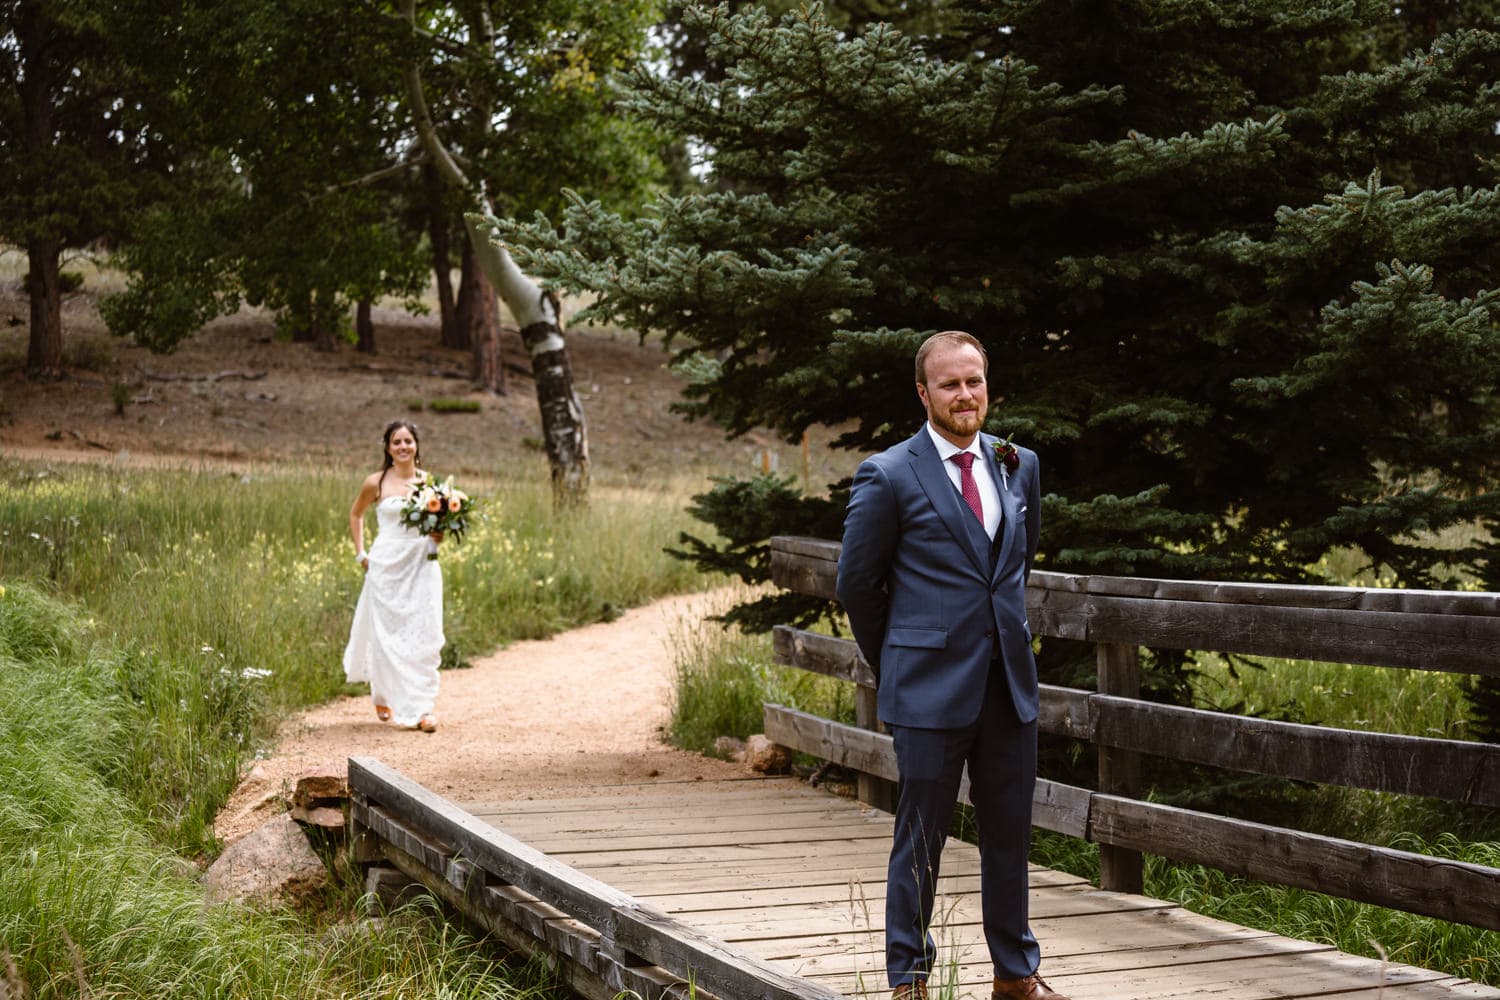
(1425, 630)
(610, 943)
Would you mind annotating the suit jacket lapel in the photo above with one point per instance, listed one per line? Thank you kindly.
(1009, 519)
(950, 507)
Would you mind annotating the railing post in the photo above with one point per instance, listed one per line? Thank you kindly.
(1119, 666)
(876, 792)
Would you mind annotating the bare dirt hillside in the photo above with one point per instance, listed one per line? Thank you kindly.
(237, 393)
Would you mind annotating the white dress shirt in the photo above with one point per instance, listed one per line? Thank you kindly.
(989, 494)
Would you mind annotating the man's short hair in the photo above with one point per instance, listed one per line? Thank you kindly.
(947, 337)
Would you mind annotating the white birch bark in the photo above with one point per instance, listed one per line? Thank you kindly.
(564, 429)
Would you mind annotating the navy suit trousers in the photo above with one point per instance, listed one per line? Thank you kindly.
(1001, 755)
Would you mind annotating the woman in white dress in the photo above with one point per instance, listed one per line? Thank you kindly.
(397, 634)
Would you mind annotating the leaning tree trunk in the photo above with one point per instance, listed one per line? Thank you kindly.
(479, 318)
(44, 352)
(563, 427)
(540, 320)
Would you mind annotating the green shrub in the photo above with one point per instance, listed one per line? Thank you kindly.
(447, 404)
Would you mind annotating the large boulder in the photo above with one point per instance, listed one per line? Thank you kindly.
(274, 863)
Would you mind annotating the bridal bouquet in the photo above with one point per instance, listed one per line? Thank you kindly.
(434, 505)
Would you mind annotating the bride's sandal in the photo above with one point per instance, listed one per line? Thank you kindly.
(427, 723)
(383, 713)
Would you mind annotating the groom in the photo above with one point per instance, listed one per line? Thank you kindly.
(939, 538)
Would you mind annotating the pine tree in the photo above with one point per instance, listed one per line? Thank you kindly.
(1230, 262)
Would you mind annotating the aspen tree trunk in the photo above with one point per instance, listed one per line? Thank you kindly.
(563, 428)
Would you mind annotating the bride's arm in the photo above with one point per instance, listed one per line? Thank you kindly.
(367, 495)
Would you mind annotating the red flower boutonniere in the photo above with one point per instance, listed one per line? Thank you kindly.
(1009, 458)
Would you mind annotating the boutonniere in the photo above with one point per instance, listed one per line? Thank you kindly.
(1007, 455)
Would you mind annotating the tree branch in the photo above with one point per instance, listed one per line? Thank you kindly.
(375, 177)
(422, 117)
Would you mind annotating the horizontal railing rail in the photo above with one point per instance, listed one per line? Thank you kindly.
(1443, 631)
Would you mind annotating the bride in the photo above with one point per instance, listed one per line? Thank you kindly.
(397, 634)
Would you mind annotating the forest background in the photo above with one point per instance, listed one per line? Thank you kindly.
(1233, 262)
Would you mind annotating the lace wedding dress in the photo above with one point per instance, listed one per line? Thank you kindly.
(397, 634)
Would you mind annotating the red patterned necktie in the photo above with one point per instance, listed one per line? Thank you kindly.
(966, 484)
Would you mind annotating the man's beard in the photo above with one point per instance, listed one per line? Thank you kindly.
(972, 422)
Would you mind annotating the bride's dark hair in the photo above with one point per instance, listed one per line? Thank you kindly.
(390, 429)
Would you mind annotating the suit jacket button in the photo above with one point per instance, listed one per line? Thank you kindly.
(989, 633)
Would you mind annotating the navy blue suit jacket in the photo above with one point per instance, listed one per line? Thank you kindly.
(929, 606)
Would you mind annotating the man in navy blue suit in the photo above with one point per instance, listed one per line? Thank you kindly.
(939, 539)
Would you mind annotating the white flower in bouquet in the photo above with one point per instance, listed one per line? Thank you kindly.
(434, 506)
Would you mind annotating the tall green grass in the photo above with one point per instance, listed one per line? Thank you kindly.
(231, 595)
(723, 679)
(93, 907)
(153, 625)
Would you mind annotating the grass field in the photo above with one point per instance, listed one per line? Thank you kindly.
(152, 625)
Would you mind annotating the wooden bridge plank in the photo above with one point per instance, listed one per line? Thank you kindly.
(1071, 940)
(707, 819)
(758, 897)
(655, 794)
(772, 921)
(974, 962)
(844, 875)
(566, 842)
(790, 855)
(732, 852)
(1281, 976)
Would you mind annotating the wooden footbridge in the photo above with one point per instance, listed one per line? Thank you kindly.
(766, 888)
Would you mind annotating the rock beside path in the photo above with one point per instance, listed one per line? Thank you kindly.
(273, 863)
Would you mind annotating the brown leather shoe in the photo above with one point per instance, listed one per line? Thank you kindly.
(914, 990)
(1033, 987)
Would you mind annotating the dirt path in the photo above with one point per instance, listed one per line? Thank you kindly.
(570, 714)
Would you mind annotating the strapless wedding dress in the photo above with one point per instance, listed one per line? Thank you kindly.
(397, 635)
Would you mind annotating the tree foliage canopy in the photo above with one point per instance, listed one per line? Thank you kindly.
(1232, 263)
(299, 160)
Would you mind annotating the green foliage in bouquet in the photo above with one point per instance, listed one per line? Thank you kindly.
(436, 505)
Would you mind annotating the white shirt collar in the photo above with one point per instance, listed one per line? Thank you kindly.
(947, 449)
